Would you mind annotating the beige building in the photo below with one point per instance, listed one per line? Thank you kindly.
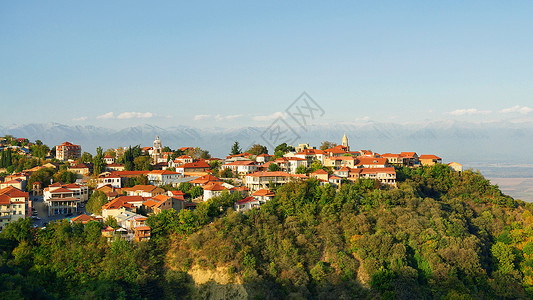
(429, 160)
(64, 199)
(457, 167)
(14, 204)
(68, 151)
(262, 180)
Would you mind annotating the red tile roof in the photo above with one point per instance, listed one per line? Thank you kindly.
(378, 170)
(246, 200)
(214, 186)
(269, 174)
(263, 193)
(428, 156)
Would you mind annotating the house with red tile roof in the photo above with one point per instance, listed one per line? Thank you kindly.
(290, 164)
(14, 204)
(259, 180)
(263, 195)
(107, 178)
(203, 180)
(195, 168)
(335, 180)
(311, 155)
(16, 183)
(163, 177)
(163, 202)
(384, 175)
(246, 204)
(320, 174)
(117, 206)
(429, 160)
(115, 167)
(108, 159)
(410, 159)
(146, 190)
(64, 198)
(394, 159)
(241, 167)
(372, 162)
(263, 158)
(142, 233)
(213, 189)
(457, 167)
(68, 151)
(84, 219)
(337, 162)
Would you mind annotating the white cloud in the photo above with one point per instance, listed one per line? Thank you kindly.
(273, 116)
(137, 115)
(80, 119)
(201, 117)
(518, 109)
(229, 117)
(109, 115)
(469, 111)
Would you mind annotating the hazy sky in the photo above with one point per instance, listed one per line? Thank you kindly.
(236, 63)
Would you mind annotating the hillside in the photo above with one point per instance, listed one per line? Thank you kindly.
(438, 235)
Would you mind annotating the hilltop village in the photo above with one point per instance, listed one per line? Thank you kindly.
(122, 187)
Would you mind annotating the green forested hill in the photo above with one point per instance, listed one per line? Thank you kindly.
(438, 235)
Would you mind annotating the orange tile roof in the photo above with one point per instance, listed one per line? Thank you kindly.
(142, 228)
(205, 179)
(269, 174)
(372, 161)
(199, 164)
(142, 187)
(263, 192)
(241, 163)
(214, 186)
(129, 173)
(428, 156)
(319, 171)
(116, 204)
(246, 200)
(83, 218)
(390, 155)
(408, 154)
(161, 197)
(150, 203)
(378, 170)
(163, 172)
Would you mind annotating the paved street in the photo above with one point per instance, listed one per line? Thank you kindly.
(42, 212)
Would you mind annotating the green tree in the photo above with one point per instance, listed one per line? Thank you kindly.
(97, 199)
(257, 149)
(301, 170)
(197, 153)
(327, 145)
(98, 161)
(166, 149)
(283, 148)
(226, 173)
(273, 167)
(43, 176)
(235, 149)
(143, 163)
(196, 191)
(110, 221)
(86, 157)
(65, 176)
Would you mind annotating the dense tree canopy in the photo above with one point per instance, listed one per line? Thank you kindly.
(439, 234)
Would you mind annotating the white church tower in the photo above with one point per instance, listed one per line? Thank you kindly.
(156, 152)
(345, 142)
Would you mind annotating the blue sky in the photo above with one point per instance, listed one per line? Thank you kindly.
(236, 63)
